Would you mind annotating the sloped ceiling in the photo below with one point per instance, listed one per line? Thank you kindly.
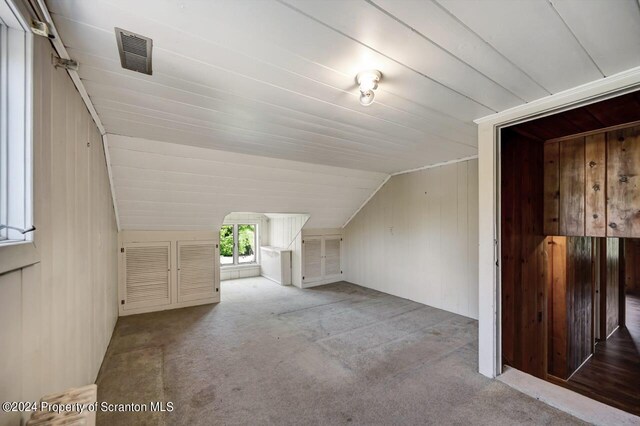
(275, 78)
(160, 185)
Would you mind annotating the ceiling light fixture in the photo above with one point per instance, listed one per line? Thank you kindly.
(368, 82)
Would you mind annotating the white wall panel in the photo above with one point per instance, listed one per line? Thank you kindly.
(417, 238)
(58, 315)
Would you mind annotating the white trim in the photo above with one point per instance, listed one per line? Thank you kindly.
(588, 93)
(431, 166)
(489, 326)
(580, 406)
(17, 255)
(366, 201)
(107, 158)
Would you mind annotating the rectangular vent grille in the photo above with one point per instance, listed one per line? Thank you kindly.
(135, 51)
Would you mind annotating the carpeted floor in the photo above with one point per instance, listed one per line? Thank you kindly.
(334, 354)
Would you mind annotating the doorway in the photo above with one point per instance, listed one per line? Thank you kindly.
(568, 185)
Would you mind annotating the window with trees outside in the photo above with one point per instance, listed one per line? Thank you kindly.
(237, 244)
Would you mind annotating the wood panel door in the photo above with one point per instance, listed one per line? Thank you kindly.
(623, 183)
(147, 274)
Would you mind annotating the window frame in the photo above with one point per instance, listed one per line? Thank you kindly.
(16, 118)
(236, 257)
(17, 249)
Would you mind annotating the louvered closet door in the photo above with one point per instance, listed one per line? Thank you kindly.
(311, 259)
(197, 270)
(332, 267)
(147, 274)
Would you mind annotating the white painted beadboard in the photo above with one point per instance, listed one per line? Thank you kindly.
(164, 186)
(417, 238)
(285, 231)
(57, 316)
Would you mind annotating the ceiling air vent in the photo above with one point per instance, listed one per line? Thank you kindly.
(135, 51)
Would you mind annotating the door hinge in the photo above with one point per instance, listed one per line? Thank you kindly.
(122, 302)
(217, 289)
(340, 271)
(122, 250)
(303, 278)
(340, 239)
(216, 246)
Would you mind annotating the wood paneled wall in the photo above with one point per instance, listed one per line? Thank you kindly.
(57, 316)
(632, 266)
(610, 287)
(570, 304)
(524, 255)
(623, 182)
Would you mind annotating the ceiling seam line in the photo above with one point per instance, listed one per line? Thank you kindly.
(444, 9)
(386, 56)
(463, 62)
(575, 37)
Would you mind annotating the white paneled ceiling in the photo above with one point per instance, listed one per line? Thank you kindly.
(161, 185)
(276, 78)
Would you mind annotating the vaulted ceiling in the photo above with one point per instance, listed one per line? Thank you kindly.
(276, 78)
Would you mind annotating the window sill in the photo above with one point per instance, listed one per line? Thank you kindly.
(239, 267)
(17, 255)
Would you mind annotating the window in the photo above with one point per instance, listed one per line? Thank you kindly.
(226, 245)
(246, 243)
(238, 244)
(15, 127)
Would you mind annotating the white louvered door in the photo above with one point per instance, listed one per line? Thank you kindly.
(331, 257)
(311, 259)
(147, 274)
(197, 270)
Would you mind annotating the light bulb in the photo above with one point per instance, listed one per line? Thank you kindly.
(366, 98)
(368, 84)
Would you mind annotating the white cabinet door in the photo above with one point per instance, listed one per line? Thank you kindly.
(312, 259)
(321, 259)
(331, 257)
(147, 274)
(198, 270)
